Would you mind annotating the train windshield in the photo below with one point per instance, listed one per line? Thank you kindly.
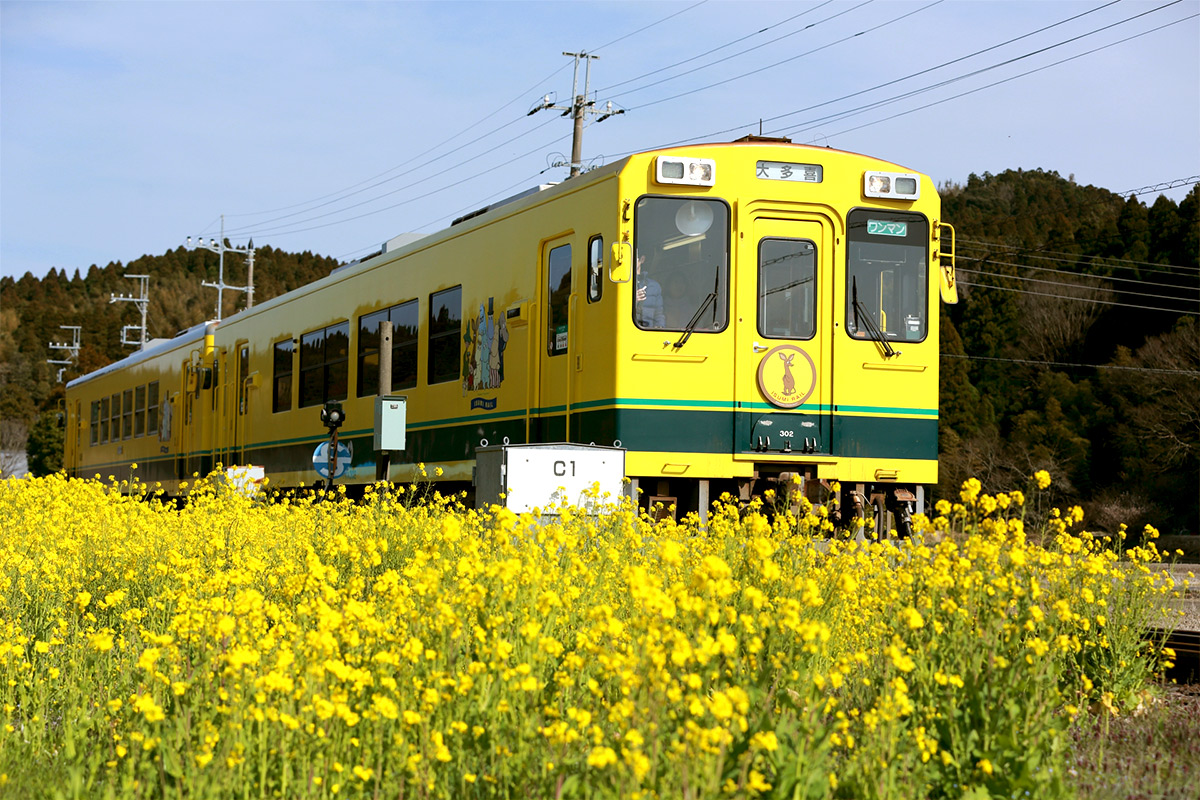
(682, 257)
(886, 272)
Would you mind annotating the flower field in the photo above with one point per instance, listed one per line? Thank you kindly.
(298, 648)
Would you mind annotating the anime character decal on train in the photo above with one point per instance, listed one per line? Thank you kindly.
(485, 339)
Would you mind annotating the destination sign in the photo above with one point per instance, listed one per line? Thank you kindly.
(880, 227)
(784, 171)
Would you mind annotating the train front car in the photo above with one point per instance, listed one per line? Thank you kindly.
(781, 327)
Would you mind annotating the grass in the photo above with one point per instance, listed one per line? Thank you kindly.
(1153, 752)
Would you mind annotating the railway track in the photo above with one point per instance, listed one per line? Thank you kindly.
(1186, 644)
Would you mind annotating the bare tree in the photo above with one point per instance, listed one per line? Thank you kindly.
(1055, 324)
(13, 435)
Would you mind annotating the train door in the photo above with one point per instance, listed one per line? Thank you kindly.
(238, 416)
(784, 337)
(555, 285)
(75, 431)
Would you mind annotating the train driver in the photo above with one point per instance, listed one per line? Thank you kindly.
(648, 305)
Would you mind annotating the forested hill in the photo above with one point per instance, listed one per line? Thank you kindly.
(1056, 280)
(31, 311)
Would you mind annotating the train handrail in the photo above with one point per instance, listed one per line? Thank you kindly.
(946, 260)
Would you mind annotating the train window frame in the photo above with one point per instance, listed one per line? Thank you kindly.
(595, 269)
(243, 372)
(812, 309)
(104, 420)
(444, 347)
(326, 372)
(126, 414)
(407, 346)
(139, 411)
(114, 418)
(152, 408)
(558, 300)
(686, 309)
(282, 379)
(918, 282)
(95, 426)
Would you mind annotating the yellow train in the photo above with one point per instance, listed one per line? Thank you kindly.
(731, 314)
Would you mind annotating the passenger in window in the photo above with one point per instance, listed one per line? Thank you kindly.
(648, 305)
(678, 305)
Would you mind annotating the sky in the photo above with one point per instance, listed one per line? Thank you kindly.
(331, 127)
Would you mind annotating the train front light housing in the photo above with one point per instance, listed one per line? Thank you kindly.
(892, 185)
(686, 171)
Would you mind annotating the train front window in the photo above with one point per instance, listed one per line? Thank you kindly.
(787, 275)
(681, 248)
(887, 270)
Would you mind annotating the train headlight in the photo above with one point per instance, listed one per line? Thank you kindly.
(687, 171)
(892, 185)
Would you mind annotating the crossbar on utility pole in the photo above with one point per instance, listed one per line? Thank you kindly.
(220, 249)
(580, 107)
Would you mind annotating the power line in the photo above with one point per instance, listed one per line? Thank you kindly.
(375, 181)
(1188, 372)
(1159, 187)
(1079, 299)
(800, 55)
(258, 231)
(714, 134)
(640, 30)
(257, 227)
(347, 192)
(1071, 285)
(411, 199)
(1138, 281)
(924, 71)
(1029, 254)
(353, 189)
(896, 98)
(730, 44)
(1015, 77)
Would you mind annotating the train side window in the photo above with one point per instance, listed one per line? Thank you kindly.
(114, 418)
(127, 414)
(595, 273)
(445, 335)
(887, 266)
(558, 298)
(152, 408)
(404, 348)
(787, 276)
(95, 422)
(324, 364)
(103, 421)
(281, 394)
(139, 411)
(243, 371)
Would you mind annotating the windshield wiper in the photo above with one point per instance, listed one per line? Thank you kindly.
(869, 322)
(691, 326)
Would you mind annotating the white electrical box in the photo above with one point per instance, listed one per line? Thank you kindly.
(544, 476)
(391, 421)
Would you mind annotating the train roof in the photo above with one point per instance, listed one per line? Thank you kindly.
(153, 348)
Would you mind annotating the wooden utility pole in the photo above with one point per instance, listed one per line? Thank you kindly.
(580, 107)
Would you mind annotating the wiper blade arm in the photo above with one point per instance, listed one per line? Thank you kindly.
(691, 326)
(861, 315)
